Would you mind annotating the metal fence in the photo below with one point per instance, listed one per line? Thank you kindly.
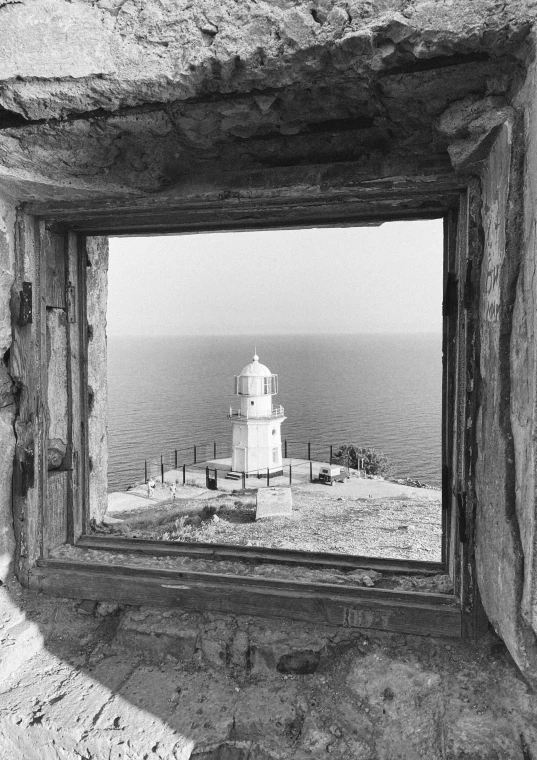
(223, 478)
(189, 456)
(194, 461)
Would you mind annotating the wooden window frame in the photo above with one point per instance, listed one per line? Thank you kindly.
(59, 502)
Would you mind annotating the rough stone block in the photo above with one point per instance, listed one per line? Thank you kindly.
(214, 652)
(155, 636)
(51, 39)
(87, 607)
(301, 662)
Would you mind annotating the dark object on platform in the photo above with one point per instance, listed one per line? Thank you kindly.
(331, 475)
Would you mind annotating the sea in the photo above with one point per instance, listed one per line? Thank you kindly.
(172, 393)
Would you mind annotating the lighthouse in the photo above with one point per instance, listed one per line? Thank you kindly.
(257, 440)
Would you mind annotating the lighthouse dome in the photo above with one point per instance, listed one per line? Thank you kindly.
(255, 369)
(256, 380)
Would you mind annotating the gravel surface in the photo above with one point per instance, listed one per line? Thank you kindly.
(393, 527)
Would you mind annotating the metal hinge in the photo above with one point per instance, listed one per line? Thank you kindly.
(71, 303)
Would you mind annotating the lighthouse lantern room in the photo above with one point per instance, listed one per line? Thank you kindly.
(257, 441)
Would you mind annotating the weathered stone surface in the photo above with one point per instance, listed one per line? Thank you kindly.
(504, 471)
(120, 99)
(134, 52)
(238, 87)
(7, 450)
(48, 38)
(523, 357)
(301, 662)
(469, 122)
(7, 400)
(372, 698)
(20, 637)
(284, 644)
(156, 634)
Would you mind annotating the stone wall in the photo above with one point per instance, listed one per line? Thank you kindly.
(121, 99)
(144, 94)
(7, 390)
(523, 349)
(505, 484)
(20, 638)
(131, 683)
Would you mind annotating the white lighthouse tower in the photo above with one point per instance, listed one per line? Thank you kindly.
(257, 440)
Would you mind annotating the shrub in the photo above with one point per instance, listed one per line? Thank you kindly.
(374, 462)
(209, 510)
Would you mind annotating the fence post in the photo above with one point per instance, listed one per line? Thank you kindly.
(290, 475)
(184, 474)
(309, 450)
(243, 480)
(214, 449)
(161, 470)
(145, 470)
(207, 477)
(194, 455)
(311, 471)
(268, 477)
(175, 458)
(216, 479)
(331, 453)
(285, 448)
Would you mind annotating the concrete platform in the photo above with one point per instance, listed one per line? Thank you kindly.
(136, 498)
(355, 488)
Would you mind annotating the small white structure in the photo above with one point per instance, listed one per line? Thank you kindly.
(273, 502)
(257, 440)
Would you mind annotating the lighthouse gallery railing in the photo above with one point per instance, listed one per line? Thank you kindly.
(276, 411)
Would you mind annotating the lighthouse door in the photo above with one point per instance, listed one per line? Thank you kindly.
(240, 459)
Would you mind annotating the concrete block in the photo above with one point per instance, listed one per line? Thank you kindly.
(274, 502)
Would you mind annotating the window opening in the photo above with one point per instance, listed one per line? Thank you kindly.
(354, 339)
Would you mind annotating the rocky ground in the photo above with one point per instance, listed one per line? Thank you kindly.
(384, 520)
(102, 682)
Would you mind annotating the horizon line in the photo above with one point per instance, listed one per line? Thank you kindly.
(268, 335)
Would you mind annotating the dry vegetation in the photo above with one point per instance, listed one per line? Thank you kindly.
(407, 528)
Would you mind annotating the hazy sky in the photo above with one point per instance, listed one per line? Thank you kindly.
(354, 280)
